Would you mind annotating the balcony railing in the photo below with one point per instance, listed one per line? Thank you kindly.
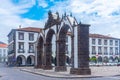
(111, 53)
(99, 52)
(93, 52)
(31, 51)
(105, 53)
(21, 51)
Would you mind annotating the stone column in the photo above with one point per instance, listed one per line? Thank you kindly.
(47, 56)
(39, 57)
(81, 56)
(60, 56)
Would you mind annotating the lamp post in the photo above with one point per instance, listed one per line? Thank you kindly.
(97, 58)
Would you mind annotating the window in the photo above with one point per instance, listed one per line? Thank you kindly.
(116, 43)
(93, 41)
(93, 50)
(4, 51)
(21, 36)
(31, 36)
(105, 42)
(105, 51)
(116, 51)
(31, 48)
(111, 42)
(99, 50)
(99, 41)
(21, 47)
(111, 50)
(4, 55)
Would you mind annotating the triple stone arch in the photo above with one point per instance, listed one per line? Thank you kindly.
(56, 29)
(44, 47)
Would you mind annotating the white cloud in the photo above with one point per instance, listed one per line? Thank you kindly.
(42, 3)
(10, 19)
(98, 13)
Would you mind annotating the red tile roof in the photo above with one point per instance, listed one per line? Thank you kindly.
(98, 36)
(101, 36)
(33, 29)
(3, 45)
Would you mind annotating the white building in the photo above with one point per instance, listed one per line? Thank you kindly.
(3, 52)
(101, 47)
(104, 48)
(21, 48)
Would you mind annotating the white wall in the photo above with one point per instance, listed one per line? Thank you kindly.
(26, 43)
(102, 45)
(3, 54)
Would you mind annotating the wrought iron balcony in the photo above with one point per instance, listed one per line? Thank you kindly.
(21, 51)
(31, 51)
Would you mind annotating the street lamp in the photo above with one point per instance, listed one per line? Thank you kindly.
(97, 58)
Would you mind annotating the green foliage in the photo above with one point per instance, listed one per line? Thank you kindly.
(93, 59)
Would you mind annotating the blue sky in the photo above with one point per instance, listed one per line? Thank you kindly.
(103, 15)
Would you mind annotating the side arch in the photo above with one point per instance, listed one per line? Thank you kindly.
(111, 59)
(21, 60)
(99, 59)
(30, 60)
(116, 59)
(105, 59)
(39, 55)
(61, 46)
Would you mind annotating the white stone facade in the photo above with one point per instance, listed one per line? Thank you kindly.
(104, 47)
(3, 54)
(111, 50)
(23, 50)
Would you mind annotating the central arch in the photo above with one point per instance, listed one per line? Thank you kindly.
(61, 44)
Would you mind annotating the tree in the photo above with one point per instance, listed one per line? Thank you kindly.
(93, 59)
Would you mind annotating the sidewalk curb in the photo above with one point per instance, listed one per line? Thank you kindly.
(67, 77)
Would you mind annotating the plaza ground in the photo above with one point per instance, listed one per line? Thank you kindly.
(102, 71)
(15, 73)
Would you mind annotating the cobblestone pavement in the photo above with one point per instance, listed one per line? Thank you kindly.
(9, 73)
(103, 71)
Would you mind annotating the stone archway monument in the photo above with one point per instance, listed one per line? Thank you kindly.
(59, 27)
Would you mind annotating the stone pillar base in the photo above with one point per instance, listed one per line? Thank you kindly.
(60, 68)
(46, 67)
(37, 66)
(80, 71)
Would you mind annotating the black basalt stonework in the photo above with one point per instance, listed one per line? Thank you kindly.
(39, 54)
(61, 58)
(83, 51)
(47, 57)
(63, 27)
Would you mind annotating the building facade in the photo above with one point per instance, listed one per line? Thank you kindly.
(3, 52)
(21, 49)
(104, 49)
